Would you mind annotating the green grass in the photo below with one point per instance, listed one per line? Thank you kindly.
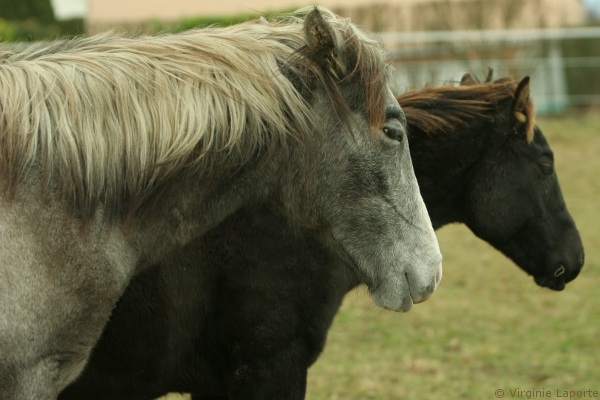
(488, 326)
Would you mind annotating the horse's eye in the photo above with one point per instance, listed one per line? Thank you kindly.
(393, 133)
(547, 168)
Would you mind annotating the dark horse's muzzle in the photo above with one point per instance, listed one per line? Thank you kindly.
(563, 273)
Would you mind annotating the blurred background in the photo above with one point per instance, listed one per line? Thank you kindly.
(488, 326)
(556, 42)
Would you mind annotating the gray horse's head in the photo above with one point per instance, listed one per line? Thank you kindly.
(363, 196)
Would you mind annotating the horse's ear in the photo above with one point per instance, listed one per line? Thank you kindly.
(467, 79)
(521, 100)
(523, 110)
(488, 79)
(322, 40)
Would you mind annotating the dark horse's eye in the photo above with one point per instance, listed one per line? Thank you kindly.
(393, 133)
(547, 168)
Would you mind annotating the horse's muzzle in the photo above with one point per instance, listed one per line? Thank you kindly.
(437, 280)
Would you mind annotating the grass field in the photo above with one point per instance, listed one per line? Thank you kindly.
(488, 326)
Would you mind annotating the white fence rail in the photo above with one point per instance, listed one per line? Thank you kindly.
(433, 58)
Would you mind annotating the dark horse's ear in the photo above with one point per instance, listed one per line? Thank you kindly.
(322, 40)
(521, 100)
(488, 79)
(467, 79)
(523, 109)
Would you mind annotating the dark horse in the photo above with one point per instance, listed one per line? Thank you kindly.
(250, 326)
(117, 151)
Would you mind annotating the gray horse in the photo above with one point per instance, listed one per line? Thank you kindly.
(116, 151)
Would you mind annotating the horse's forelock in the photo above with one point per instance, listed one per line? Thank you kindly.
(366, 57)
(361, 60)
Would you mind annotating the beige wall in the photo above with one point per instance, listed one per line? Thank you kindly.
(139, 10)
(375, 15)
(465, 14)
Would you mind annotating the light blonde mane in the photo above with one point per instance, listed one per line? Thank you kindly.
(111, 118)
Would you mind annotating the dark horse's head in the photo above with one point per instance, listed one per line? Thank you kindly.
(481, 160)
(514, 199)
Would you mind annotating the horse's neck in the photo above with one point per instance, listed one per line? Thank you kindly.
(195, 205)
(442, 164)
